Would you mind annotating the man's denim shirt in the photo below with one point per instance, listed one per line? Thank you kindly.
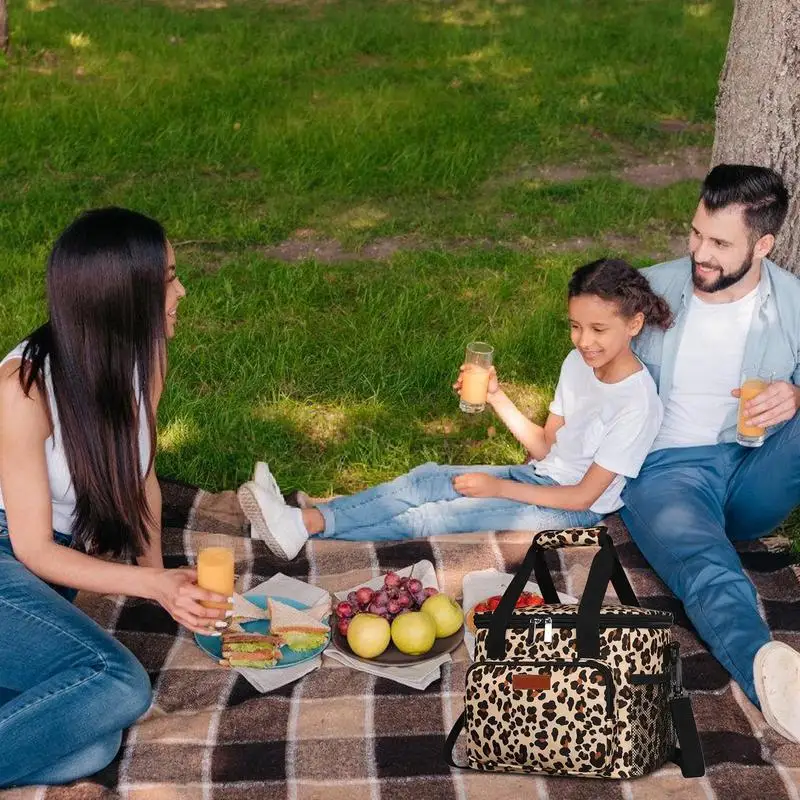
(772, 343)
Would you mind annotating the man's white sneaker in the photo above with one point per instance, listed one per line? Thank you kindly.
(776, 672)
(279, 526)
(265, 479)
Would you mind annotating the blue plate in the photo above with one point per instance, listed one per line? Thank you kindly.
(212, 645)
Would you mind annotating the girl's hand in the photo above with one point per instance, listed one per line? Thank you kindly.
(478, 484)
(176, 591)
(494, 384)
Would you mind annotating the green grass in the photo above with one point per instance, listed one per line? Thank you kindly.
(356, 119)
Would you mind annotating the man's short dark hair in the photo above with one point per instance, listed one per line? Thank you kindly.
(760, 190)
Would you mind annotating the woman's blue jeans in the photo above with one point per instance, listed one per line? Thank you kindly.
(424, 503)
(67, 688)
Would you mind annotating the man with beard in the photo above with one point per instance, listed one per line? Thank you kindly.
(699, 491)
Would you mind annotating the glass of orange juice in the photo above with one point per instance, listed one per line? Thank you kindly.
(475, 377)
(753, 382)
(215, 572)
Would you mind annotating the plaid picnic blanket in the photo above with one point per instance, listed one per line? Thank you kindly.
(344, 735)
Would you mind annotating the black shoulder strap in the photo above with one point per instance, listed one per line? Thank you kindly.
(689, 756)
(452, 738)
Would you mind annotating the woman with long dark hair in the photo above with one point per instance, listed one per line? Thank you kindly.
(78, 399)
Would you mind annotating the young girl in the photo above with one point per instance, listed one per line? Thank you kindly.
(77, 442)
(602, 422)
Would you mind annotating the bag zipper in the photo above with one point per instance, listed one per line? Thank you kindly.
(599, 665)
(571, 621)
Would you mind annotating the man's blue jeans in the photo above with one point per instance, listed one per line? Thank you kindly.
(684, 512)
(67, 688)
(423, 503)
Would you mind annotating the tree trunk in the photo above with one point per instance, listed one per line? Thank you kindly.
(3, 26)
(758, 104)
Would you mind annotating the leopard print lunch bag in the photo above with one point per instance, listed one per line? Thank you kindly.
(582, 690)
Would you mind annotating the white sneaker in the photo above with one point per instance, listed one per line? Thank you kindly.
(776, 671)
(298, 499)
(265, 479)
(279, 526)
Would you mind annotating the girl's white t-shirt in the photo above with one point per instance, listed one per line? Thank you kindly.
(610, 424)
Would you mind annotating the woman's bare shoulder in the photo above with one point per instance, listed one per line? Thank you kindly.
(24, 411)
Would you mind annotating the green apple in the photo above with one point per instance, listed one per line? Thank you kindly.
(446, 613)
(368, 635)
(413, 633)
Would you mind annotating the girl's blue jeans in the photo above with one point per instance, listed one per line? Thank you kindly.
(67, 688)
(423, 503)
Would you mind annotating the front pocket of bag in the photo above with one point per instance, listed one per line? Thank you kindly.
(550, 716)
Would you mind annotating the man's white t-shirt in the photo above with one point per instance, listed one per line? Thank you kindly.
(610, 424)
(708, 365)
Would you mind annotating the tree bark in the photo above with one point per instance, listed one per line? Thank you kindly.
(3, 26)
(758, 104)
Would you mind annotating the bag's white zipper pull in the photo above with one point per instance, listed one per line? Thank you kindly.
(548, 630)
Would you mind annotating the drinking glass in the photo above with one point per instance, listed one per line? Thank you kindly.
(754, 380)
(475, 377)
(215, 571)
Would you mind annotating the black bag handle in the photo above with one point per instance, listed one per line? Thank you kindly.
(605, 568)
(452, 738)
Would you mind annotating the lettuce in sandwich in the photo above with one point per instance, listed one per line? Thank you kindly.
(298, 630)
(300, 641)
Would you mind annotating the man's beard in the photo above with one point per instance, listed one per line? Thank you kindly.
(723, 281)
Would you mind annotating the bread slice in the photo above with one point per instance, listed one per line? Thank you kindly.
(320, 609)
(244, 610)
(285, 619)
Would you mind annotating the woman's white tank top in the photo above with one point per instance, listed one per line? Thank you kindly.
(62, 493)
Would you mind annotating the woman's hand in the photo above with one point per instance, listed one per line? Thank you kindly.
(494, 384)
(478, 484)
(176, 591)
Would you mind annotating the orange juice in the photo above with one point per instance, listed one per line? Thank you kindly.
(475, 377)
(474, 384)
(750, 388)
(215, 572)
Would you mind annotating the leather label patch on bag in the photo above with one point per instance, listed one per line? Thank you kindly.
(535, 682)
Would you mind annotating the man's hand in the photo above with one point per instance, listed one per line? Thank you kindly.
(478, 484)
(779, 402)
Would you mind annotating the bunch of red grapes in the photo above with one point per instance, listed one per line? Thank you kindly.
(398, 596)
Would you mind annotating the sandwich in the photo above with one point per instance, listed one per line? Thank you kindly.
(297, 629)
(245, 611)
(250, 650)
